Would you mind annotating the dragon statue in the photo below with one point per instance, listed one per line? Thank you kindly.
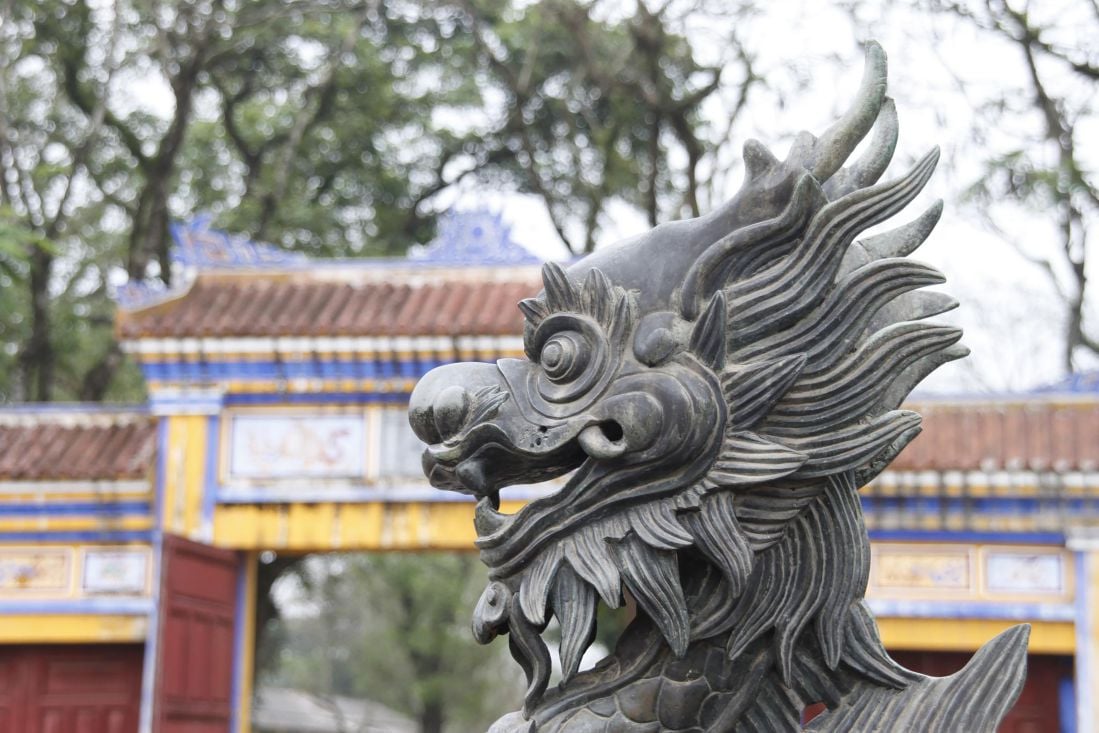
(719, 389)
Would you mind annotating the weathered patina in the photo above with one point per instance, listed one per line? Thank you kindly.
(719, 388)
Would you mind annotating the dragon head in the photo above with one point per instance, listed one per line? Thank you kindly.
(718, 387)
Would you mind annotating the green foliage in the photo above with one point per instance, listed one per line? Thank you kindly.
(334, 127)
(394, 628)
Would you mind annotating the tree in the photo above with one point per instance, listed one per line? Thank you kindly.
(394, 628)
(601, 108)
(336, 127)
(1037, 130)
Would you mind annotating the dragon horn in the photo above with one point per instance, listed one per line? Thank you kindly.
(837, 142)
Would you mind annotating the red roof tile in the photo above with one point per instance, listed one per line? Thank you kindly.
(56, 447)
(300, 304)
(1037, 435)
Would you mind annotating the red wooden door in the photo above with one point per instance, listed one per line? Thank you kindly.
(66, 688)
(197, 613)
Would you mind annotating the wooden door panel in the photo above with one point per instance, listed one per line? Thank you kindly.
(198, 614)
(94, 688)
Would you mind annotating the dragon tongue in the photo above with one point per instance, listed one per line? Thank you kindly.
(487, 519)
(472, 475)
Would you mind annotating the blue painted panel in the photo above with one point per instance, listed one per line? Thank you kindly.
(913, 535)
(204, 371)
(118, 508)
(210, 484)
(1066, 705)
(972, 609)
(316, 398)
(126, 606)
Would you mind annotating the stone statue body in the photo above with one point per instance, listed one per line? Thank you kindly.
(719, 388)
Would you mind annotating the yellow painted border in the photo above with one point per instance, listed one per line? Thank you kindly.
(65, 523)
(966, 635)
(184, 474)
(71, 628)
(347, 527)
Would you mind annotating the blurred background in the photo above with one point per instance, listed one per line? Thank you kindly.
(147, 148)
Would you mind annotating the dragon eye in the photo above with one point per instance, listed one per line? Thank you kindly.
(572, 354)
(564, 356)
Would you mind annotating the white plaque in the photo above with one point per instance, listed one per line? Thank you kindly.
(1017, 572)
(115, 571)
(296, 446)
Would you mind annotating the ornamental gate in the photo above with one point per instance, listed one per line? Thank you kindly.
(138, 530)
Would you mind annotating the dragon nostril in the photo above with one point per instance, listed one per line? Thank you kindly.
(612, 430)
(450, 408)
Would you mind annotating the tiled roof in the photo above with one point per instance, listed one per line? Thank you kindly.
(1034, 435)
(296, 305)
(54, 446)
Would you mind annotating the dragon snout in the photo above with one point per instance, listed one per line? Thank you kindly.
(448, 412)
(443, 401)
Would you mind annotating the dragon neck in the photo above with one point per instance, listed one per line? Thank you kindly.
(794, 641)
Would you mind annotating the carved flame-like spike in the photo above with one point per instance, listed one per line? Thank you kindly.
(782, 294)
(653, 579)
(849, 570)
(748, 458)
(623, 318)
(708, 336)
(535, 588)
(597, 297)
(655, 523)
(561, 294)
(589, 555)
(864, 651)
(528, 649)
(574, 605)
(741, 249)
(765, 512)
(718, 535)
(849, 448)
(534, 310)
(904, 240)
(845, 393)
(751, 390)
(826, 334)
(812, 575)
(756, 612)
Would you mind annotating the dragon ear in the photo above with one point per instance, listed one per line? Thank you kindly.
(757, 159)
(708, 336)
